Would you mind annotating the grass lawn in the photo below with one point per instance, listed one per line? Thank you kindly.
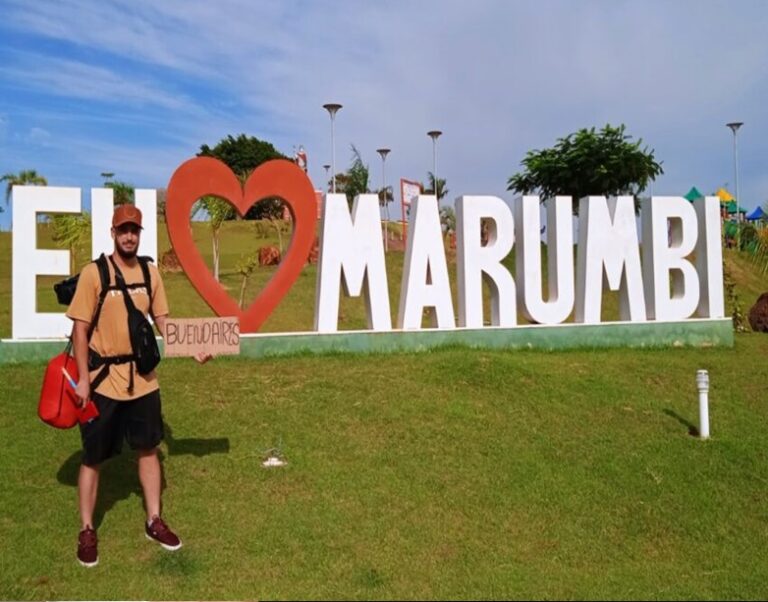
(437, 475)
(449, 474)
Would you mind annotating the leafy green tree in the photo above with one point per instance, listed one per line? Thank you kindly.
(122, 192)
(279, 225)
(23, 178)
(71, 231)
(341, 183)
(588, 162)
(218, 211)
(245, 268)
(760, 253)
(448, 219)
(244, 154)
(162, 195)
(441, 188)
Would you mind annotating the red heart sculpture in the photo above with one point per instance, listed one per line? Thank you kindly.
(204, 176)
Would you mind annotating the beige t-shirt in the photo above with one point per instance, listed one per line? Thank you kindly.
(110, 337)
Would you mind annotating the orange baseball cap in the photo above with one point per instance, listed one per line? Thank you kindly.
(126, 214)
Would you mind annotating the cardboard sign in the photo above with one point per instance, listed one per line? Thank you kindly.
(187, 337)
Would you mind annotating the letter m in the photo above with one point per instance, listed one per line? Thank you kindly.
(352, 252)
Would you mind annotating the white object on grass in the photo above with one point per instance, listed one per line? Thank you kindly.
(702, 383)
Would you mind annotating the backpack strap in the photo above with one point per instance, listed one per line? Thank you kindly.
(94, 359)
(120, 282)
(130, 307)
(144, 263)
(101, 264)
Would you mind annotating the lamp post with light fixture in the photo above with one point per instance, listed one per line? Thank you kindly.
(434, 134)
(383, 152)
(332, 109)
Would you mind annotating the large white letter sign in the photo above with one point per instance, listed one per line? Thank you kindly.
(709, 258)
(475, 263)
(29, 262)
(559, 259)
(425, 273)
(351, 247)
(102, 207)
(608, 244)
(669, 236)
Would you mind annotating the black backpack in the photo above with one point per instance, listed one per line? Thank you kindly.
(65, 290)
(146, 354)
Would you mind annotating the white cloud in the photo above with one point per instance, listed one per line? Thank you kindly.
(38, 136)
(62, 77)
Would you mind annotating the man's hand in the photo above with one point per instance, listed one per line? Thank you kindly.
(83, 391)
(202, 356)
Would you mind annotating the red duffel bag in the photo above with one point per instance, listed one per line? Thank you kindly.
(58, 405)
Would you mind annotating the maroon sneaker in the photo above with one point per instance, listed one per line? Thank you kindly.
(158, 531)
(87, 548)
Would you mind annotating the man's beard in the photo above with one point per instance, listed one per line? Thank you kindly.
(126, 255)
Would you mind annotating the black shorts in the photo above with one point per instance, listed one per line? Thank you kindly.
(138, 421)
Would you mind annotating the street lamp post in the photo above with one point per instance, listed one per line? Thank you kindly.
(434, 134)
(326, 167)
(332, 109)
(383, 152)
(735, 125)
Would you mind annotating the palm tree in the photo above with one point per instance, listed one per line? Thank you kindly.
(386, 196)
(23, 178)
(355, 180)
(441, 189)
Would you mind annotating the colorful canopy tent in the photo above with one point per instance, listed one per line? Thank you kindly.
(725, 196)
(693, 194)
(731, 208)
(757, 214)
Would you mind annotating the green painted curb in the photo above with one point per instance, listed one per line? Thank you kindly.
(691, 333)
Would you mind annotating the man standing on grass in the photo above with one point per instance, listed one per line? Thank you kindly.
(128, 402)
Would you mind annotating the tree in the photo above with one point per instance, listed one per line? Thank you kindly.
(244, 154)
(441, 189)
(162, 196)
(23, 178)
(588, 163)
(386, 196)
(448, 220)
(122, 192)
(218, 211)
(72, 231)
(245, 268)
(355, 180)
(341, 182)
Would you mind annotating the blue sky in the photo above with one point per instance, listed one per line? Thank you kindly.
(135, 87)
